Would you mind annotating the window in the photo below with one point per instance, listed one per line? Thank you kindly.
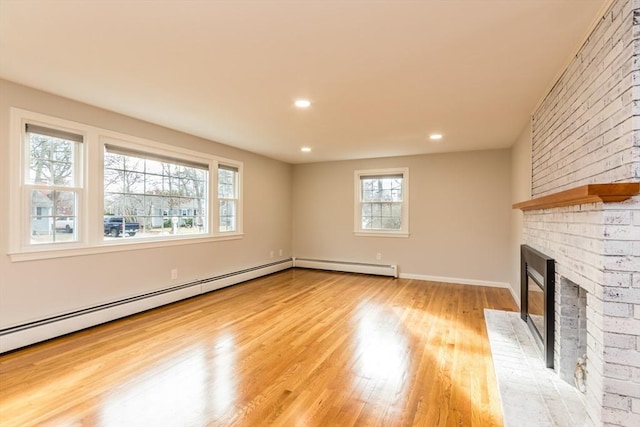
(156, 195)
(52, 183)
(70, 182)
(381, 202)
(227, 197)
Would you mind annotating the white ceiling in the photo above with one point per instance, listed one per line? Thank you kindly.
(382, 75)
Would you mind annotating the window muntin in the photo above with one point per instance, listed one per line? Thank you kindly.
(227, 198)
(381, 202)
(52, 184)
(166, 196)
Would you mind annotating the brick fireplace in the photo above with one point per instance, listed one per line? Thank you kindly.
(587, 131)
(597, 300)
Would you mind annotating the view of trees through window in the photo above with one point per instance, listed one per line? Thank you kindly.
(381, 202)
(52, 184)
(154, 195)
(150, 190)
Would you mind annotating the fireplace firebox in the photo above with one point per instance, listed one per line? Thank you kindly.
(537, 289)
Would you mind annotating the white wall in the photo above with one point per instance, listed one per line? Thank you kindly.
(460, 221)
(520, 191)
(32, 290)
(460, 208)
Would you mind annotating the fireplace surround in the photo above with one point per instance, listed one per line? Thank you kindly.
(597, 290)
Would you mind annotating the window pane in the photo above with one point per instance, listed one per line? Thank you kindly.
(51, 160)
(153, 166)
(381, 207)
(226, 184)
(160, 196)
(134, 182)
(227, 215)
(65, 203)
(381, 189)
(112, 181)
(153, 184)
(376, 223)
(227, 193)
(53, 216)
(389, 223)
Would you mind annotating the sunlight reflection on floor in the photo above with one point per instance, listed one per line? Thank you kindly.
(174, 393)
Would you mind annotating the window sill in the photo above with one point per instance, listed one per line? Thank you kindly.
(108, 247)
(380, 234)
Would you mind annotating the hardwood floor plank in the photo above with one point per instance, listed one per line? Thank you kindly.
(299, 347)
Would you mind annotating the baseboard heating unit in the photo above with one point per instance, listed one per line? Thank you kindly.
(44, 329)
(348, 267)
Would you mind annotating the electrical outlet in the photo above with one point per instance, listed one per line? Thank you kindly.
(174, 273)
(271, 254)
(280, 252)
(378, 256)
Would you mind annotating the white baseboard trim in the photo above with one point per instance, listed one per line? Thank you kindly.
(455, 280)
(44, 329)
(347, 266)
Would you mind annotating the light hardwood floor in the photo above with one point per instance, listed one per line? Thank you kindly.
(297, 348)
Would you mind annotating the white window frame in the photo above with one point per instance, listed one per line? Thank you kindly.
(237, 199)
(357, 210)
(77, 187)
(90, 209)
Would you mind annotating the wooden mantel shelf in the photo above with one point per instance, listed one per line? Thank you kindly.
(591, 193)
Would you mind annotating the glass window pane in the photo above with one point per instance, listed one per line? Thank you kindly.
(112, 181)
(376, 223)
(53, 216)
(154, 166)
(65, 203)
(134, 183)
(381, 207)
(227, 215)
(113, 161)
(51, 161)
(42, 210)
(389, 223)
(134, 164)
(162, 197)
(153, 184)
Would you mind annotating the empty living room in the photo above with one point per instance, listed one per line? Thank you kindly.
(320, 213)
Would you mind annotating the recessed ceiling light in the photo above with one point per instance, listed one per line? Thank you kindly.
(303, 103)
(435, 136)
(306, 149)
